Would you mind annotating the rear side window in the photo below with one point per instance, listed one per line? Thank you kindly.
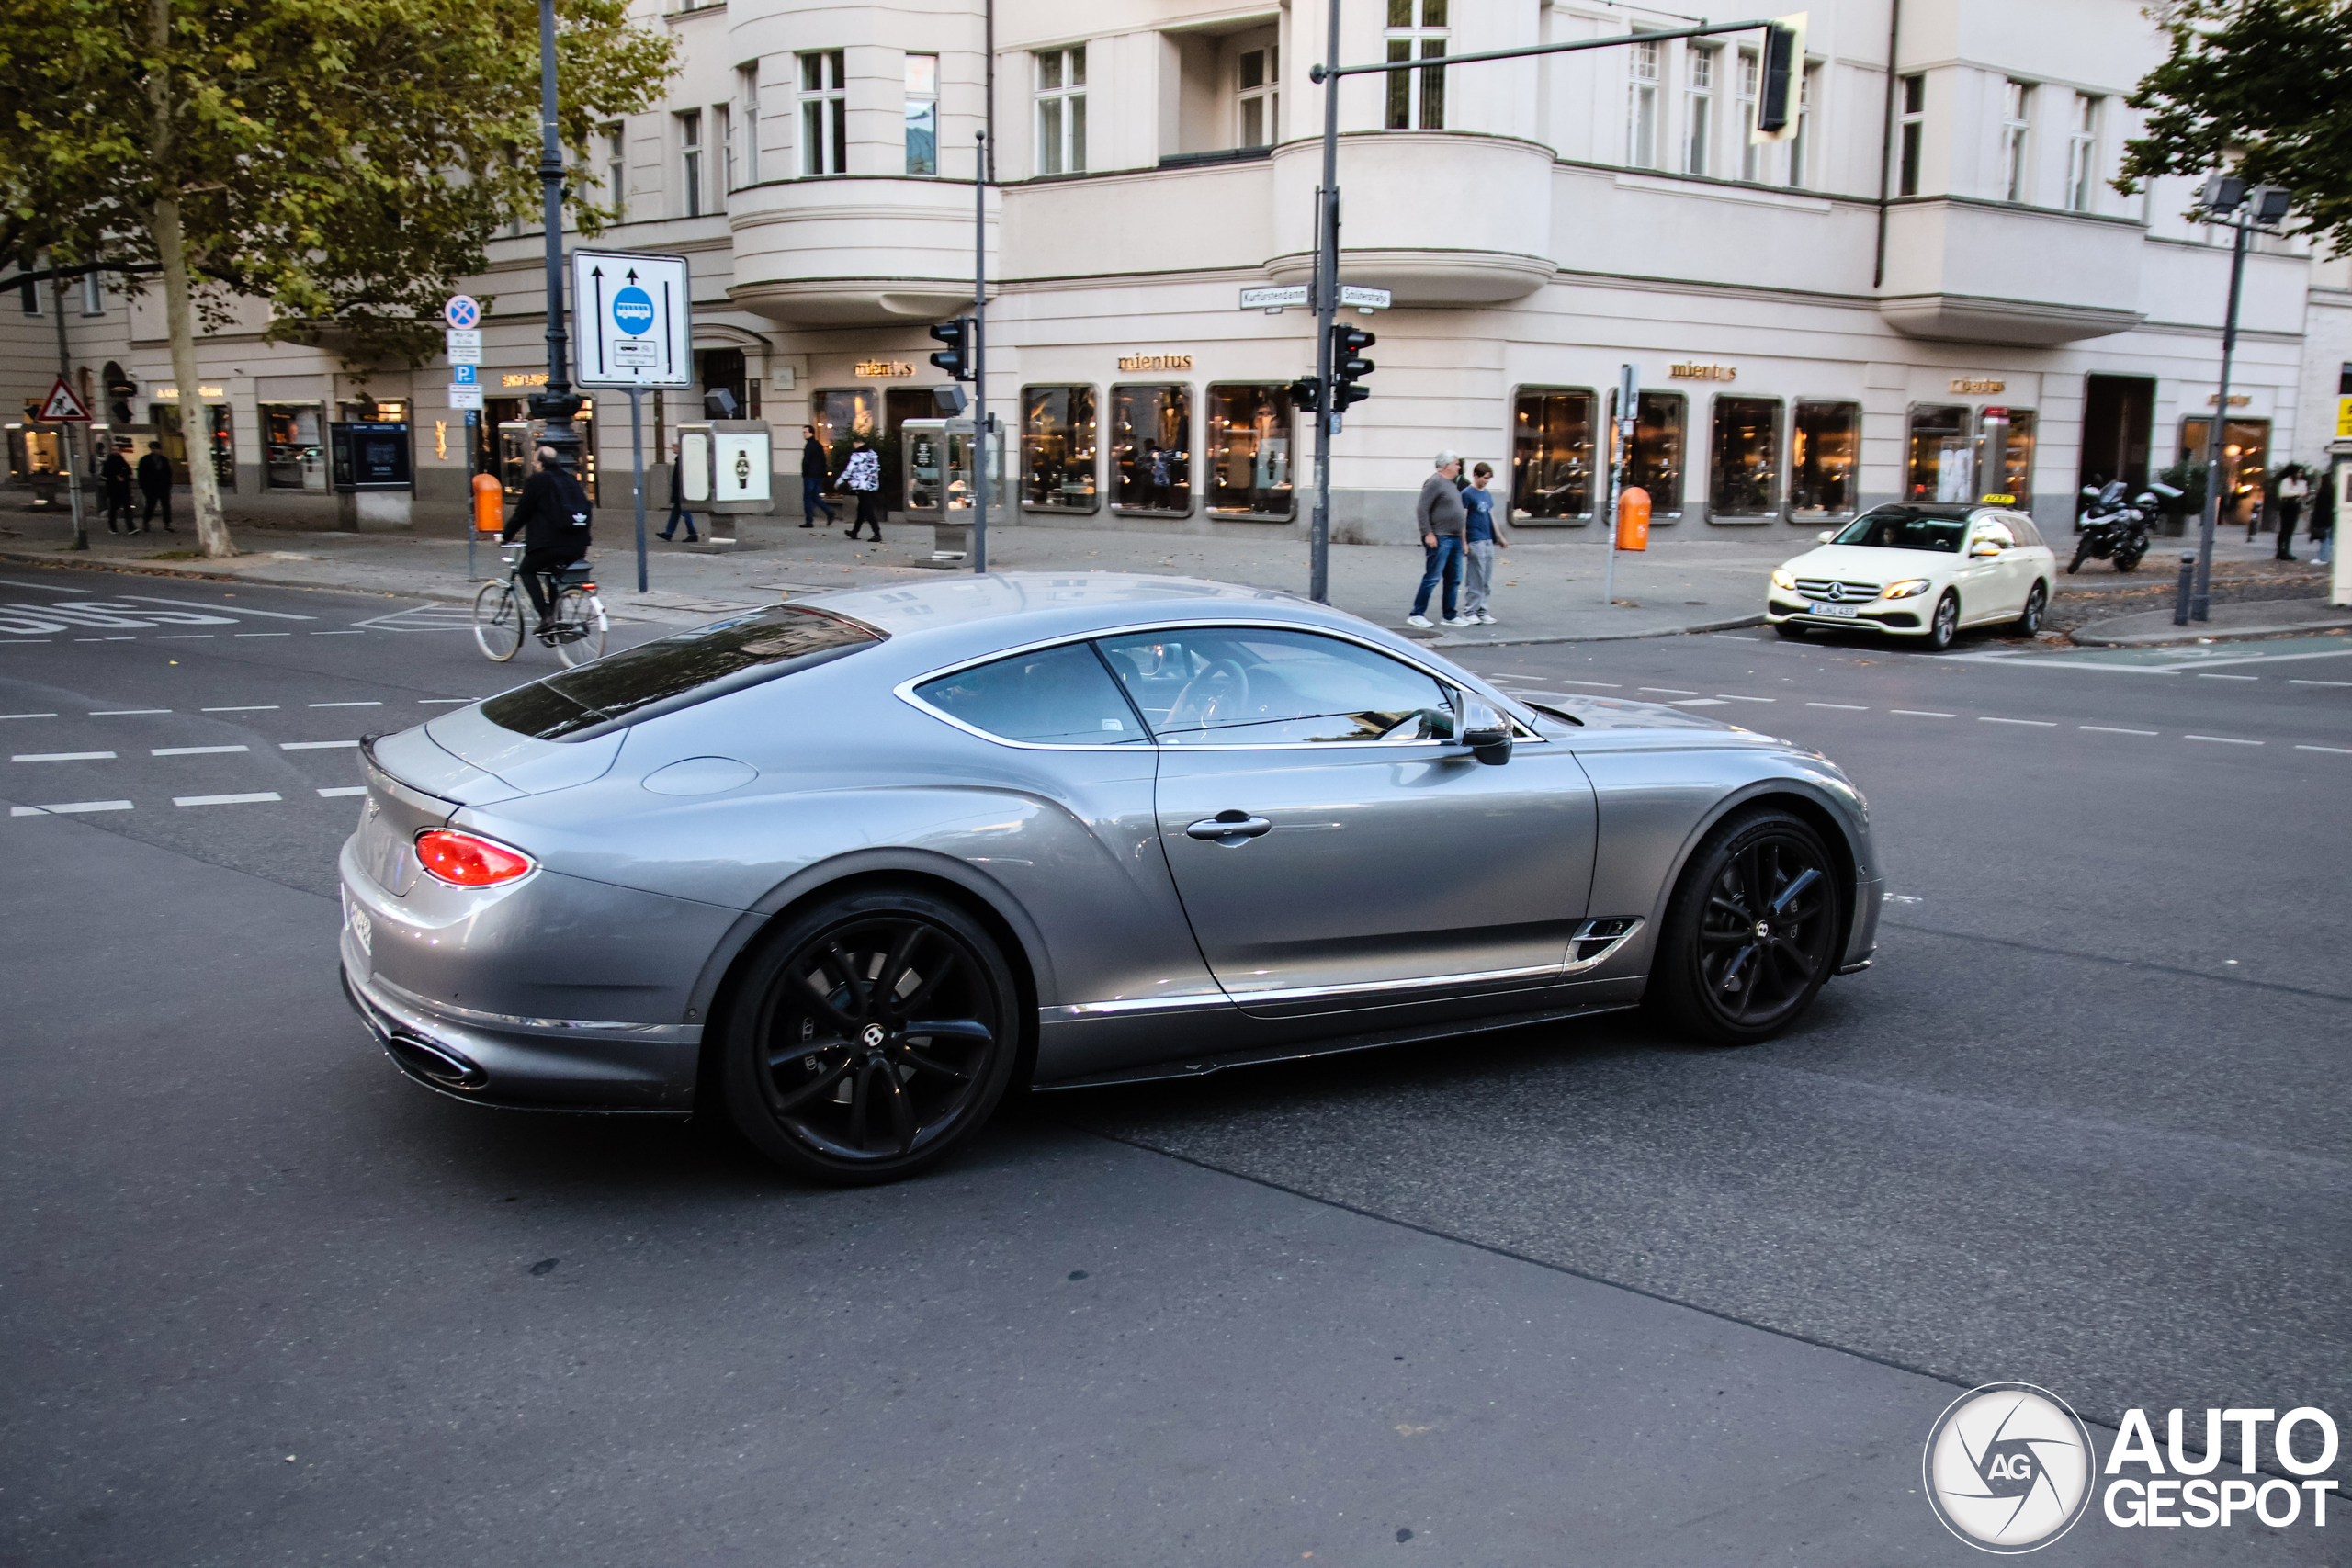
(1256, 686)
(677, 671)
(1056, 696)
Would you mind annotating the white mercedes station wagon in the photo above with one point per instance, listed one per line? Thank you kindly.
(1918, 569)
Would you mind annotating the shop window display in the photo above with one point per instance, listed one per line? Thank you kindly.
(168, 436)
(1939, 460)
(1551, 475)
(2004, 452)
(1825, 445)
(1251, 439)
(1656, 465)
(1057, 433)
(1152, 449)
(2245, 458)
(294, 452)
(1745, 479)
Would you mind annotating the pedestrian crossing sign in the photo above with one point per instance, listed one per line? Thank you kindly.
(62, 407)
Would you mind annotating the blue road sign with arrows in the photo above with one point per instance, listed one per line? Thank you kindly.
(633, 319)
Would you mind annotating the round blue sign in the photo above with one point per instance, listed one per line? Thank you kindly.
(633, 309)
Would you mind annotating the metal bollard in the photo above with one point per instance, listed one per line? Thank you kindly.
(2188, 586)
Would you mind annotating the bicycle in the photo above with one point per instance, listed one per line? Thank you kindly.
(576, 629)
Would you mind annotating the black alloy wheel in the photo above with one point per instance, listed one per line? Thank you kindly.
(871, 1036)
(2030, 620)
(2128, 558)
(1944, 625)
(1751, 932)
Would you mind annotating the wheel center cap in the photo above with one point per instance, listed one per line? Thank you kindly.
(872, 1034)
(1763, 929)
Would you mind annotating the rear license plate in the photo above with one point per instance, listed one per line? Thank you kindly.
(1842, 612)
(364, 930)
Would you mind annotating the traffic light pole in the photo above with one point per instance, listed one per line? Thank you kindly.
(980, 355)
(2201, 599)
(555, 404)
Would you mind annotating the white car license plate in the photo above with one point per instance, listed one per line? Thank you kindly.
(1843, 611)
(364, 928)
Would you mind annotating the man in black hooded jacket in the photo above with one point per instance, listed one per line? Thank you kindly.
(553, 518)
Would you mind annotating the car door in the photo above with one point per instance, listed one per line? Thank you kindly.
(1988, 587)
(1332, 847)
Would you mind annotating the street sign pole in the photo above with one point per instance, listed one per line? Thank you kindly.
(73, 470)
(1327, 302)
(636, 473)
(980, 355)
(1629, 377)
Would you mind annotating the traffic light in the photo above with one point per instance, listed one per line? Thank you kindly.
(956, 358)
(1307, 394)
(1778, 101)
(1349, 365)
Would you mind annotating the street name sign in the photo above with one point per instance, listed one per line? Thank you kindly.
(1362, 298)
(1273, 299)
(632, 319)
(463, 311)
(63, 407)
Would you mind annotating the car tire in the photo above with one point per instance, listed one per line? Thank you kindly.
(869, 1037)
(1793, 630)
(1944, 625)
(2029, 619)
(1715, 978)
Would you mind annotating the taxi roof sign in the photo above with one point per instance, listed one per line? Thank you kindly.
(63, 407)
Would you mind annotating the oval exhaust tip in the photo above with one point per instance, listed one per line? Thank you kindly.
(434, 1063)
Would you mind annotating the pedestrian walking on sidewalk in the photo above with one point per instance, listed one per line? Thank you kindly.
(114, 473)
(862, 477)
(2291, 488)
(678, 498)
(155, 484)
(1439, 515)
(1482, 535)
(816, 474)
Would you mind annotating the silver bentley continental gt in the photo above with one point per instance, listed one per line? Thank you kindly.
(849, 867)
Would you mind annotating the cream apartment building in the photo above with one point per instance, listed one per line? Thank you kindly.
(1932, 291)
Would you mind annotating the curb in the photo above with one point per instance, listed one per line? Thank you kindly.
(1697, 629)
(2224, 634)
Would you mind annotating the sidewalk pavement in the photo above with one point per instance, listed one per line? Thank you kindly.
(2259, 618)
(1692, 577)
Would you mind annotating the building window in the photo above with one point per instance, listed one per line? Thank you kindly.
(1417, 99)
(1698, 110)
(2082, 155)
(1641, 109)
(1915, 135)
(28, 292)
(690, 161)
(1656, 465)
(1550, 459)
(747, 96)
(723, 123)
(1938, 464)
(1825, 445)
(1151, 447)
(2016, 109)
(1751, 155)
(1249, 451)
(1261, 100)
(1745, 479)
(1801, 144)
(923, 114)
(1061, 111)
(617, 171)
(294, 453)
(824, 113)
(841, 413)
(2245, 456)
(2005, 454)
(93, 293)
(1057, 449)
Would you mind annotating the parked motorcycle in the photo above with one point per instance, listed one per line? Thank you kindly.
(2114, 529)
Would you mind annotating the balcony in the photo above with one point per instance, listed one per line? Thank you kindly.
(1991, 272)
(855, 251)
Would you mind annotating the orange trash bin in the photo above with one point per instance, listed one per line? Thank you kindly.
(1634, 519)
(490, 504)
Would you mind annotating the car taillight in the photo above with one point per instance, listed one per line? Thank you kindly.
(464, 861)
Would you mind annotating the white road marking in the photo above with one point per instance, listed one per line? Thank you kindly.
(62, 757)
(339, 634)
(2332, 750)
(218, 609)
(61, 807)
(256, 708)
(1697, 702)
(1612, 685)
(2292, 682)
(1736, 698)
(2034, 723)
(28, 715)
(1922, 713)
(1667, 691)
(225, 799)
(2209, 675)
(2111, 729)
(263, 634)
(420, 700)
(1848, 707)
(343, 789)
(2222, 740)
(184, 637)
(192, 750)
(124, 713)
(366, 705)
(314, 745)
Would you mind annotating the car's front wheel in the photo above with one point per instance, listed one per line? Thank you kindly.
(869, 1037)
(2030, 620)
(1944, 625)
(1751, 932)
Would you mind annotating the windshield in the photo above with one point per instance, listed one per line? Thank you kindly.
(1908, 527)
(676, 672)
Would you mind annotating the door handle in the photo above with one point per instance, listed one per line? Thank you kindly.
(1229, 827)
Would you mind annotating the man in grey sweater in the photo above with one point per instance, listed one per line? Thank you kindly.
(1439, 513)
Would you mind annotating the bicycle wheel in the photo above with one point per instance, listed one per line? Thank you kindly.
(580, 626)
(498, 621)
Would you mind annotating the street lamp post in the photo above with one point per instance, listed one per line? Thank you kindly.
(2226, 200)
(554, 404)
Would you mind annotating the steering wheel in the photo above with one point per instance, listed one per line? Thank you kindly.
(1204, 701)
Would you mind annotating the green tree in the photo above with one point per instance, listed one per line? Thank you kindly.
(2261, 87)
(344, 160)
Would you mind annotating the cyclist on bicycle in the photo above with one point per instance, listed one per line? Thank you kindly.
(553, 518)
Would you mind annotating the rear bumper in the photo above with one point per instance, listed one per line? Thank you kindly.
(540, 1064)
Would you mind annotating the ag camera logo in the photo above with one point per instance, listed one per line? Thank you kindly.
(2008, 1467)
(633, 310)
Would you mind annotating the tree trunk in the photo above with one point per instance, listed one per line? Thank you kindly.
(196, 424)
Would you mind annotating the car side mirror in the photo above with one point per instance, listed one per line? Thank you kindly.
(1486, 732)
(1984, 548)
(1826, 535)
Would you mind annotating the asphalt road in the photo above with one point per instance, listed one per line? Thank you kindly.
(1557, 1297)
